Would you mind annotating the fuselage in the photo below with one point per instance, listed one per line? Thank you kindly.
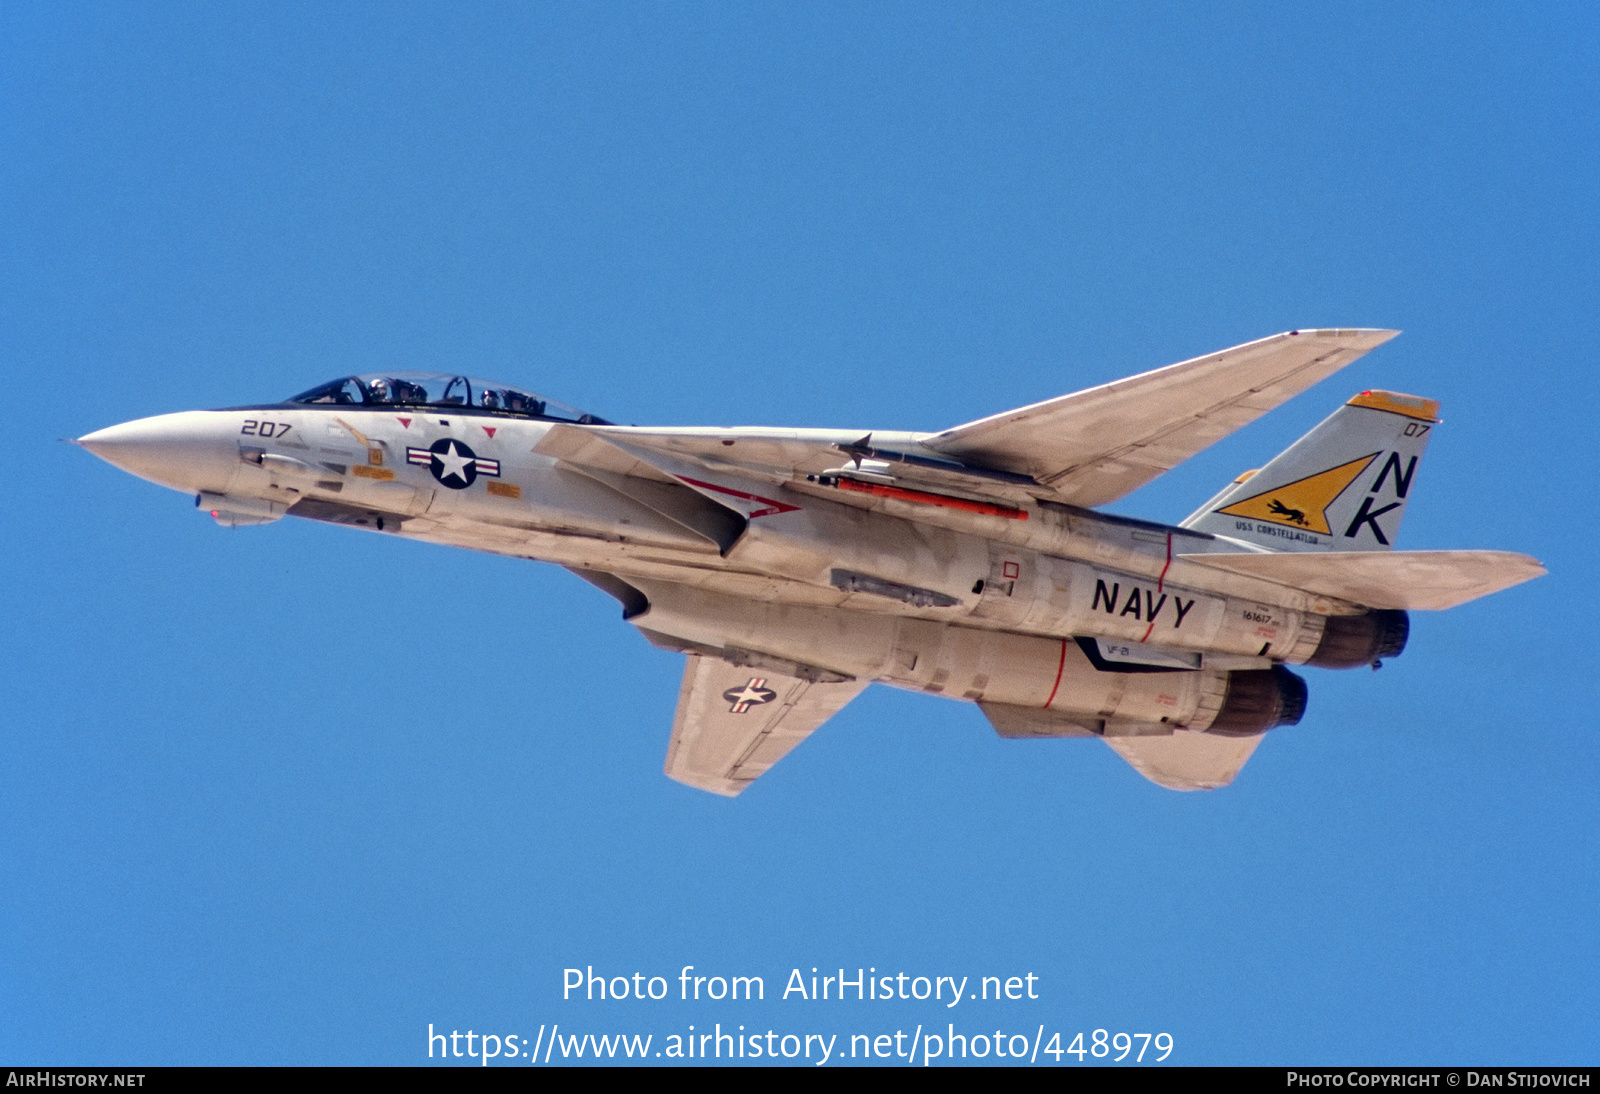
(793, 567)
(1013, 605)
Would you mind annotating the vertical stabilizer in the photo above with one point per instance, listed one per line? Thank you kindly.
(1341, 487)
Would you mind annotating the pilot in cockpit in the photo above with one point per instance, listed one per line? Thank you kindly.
(516, 400)
(490, 399)
(378, 390)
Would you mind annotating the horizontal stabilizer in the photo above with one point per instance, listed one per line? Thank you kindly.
(1420, 580)
(1185, 760)
(1177, 760)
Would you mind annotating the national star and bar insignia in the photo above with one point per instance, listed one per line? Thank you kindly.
(453, 463)
(752, 694)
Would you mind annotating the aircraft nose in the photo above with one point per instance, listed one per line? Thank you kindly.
(186, 451)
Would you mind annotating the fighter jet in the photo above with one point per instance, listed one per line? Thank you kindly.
(796, 566)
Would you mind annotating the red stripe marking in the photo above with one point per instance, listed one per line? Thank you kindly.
(1159, 582)
(775, 506)
(1060, 668)
(944, 501)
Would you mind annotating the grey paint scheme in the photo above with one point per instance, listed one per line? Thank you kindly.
(792, 574)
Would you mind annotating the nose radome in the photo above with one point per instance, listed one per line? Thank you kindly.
(191, 450)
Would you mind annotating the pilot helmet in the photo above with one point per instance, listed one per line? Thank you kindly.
(491, 399)
(378, 390)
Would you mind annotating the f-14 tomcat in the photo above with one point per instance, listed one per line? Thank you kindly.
(796, 566)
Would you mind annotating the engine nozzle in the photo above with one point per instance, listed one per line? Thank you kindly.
(1259, 699)
(1350, 641)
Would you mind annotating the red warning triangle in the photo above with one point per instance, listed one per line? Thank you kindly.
(403, 421)
(489, 429)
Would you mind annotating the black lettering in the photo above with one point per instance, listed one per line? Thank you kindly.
(1110, 597)
(1153, 610)
(1132, 607)
(1402, 481)
(1183, 610)
(1371, 518)
(249, 426)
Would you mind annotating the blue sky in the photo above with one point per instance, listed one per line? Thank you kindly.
(290, 794)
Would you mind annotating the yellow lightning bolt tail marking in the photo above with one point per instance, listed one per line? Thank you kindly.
(1308, 498)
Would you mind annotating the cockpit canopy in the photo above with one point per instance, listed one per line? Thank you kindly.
(437, 389)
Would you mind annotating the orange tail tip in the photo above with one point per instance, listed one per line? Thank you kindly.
(1412, 406)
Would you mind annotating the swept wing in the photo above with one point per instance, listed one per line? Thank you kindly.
(1087, 449)
(1096, 445)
